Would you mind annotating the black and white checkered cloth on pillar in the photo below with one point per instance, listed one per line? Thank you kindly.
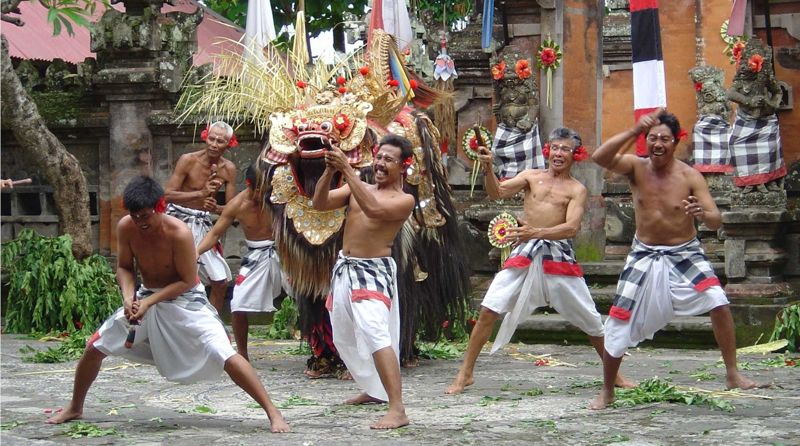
(515, 151)
(756, 150)
(710, 140)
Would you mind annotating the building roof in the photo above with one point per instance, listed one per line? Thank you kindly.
(34, 40)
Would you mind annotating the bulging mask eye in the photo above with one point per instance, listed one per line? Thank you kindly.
(326, 126)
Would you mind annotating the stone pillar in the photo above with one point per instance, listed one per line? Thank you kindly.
(755, 253)
(142, 56)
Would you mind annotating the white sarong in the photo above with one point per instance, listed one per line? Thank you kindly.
(666, 292)
(518, 292)
(365, 316)
(259, 280)
(211, 265)
(184, 338)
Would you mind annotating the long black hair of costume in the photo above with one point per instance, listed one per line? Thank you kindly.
(437, 254)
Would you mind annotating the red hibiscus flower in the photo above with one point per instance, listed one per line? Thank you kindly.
(698, 86)
(523, 69)
(755, 62)
(499, 70)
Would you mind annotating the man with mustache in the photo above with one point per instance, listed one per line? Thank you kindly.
(666, 273)
(167, 321)
(191, 192)
(541, 270)
(364, 305)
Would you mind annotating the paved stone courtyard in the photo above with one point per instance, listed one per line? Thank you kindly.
(503, 407)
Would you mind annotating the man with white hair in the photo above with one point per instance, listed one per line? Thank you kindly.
(191, 192)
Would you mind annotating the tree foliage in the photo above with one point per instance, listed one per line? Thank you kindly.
(320, 15)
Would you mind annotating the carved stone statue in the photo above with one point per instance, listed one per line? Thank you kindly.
(755, 141)
(515, 89)
(754, 87)
(711, 96)
(516, 144)
(711, 131)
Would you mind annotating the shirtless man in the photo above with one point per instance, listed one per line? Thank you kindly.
(666, 273)
(364, 304)
(191, 192)
(177, 330)
(259, 280)
(542, 269)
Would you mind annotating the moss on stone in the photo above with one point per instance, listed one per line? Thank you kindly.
(588, 252)
(58, 106)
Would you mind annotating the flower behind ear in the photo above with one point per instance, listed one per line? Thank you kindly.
(161, 205)
(580, 154)
(546, 150)
(204, 133)
(233, 142)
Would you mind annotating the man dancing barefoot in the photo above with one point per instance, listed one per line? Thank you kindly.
(666, 273)
(259, 280)
(178, 331)
(363, 304)
(542, 270)
(191, 192)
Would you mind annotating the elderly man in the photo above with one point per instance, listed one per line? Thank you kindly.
(191, 192)
(542, 269)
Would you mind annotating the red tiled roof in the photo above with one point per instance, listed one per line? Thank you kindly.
(34, 40)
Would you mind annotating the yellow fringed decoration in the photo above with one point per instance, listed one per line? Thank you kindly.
(300, 46)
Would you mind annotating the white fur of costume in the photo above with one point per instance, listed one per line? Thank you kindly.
(520, 291)
(259, 280)
(184, 338)
(664, 295)
(363, 322)
(211, 265)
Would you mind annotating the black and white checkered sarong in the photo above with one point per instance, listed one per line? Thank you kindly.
(710, 140)
(756, 150)
(369, 278)
(687, 260)
(515, 151)
(558, 257)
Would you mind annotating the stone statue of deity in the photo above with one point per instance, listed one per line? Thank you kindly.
(711, 132)
(712, 99)
(516, 144)
(755, 141)
(516, 99)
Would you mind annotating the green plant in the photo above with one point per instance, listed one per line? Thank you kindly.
(80, 429)
(295, 400)
(657, 390)
(302, 349)
(440, 350)
(787, 326)
(48, 290)
(69, 349)
(284, 321)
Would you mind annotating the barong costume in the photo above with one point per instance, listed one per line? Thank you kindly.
(541, 273)
(211, 265)
(657, 284)
(365, 316)
(259, 280)
(183, 337)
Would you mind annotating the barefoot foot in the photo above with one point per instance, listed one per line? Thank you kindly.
(738, 381)
(601, 401)
(278, 424)
(624, 383)
(62, 416)
(363, 398)
(459, 384)
(391, 420)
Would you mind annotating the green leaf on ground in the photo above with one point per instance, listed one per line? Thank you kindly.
(295, 400)
(204, 409)
(80, 429)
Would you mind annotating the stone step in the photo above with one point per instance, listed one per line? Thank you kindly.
(609, 271)
(552, 328)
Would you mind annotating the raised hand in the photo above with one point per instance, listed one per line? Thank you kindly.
(647, 121)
